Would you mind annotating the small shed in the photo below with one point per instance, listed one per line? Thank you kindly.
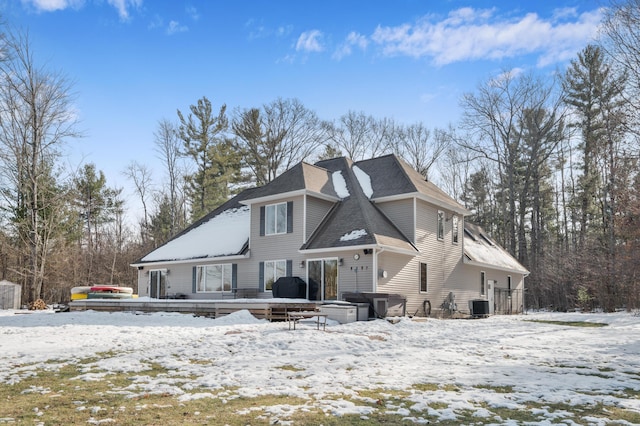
(10, 294)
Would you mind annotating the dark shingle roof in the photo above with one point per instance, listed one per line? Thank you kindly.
(302, 176)
(391, 176)
(355, 220)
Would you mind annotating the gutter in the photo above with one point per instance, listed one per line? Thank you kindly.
(524, 272)
(191, 260)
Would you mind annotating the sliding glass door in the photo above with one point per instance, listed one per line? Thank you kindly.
(323, 273)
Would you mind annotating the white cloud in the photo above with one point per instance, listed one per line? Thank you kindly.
(310, 41)
(53, 5)
(346, 48)
(123, 6)
(193, 13)
(175, 27)
(473, 34)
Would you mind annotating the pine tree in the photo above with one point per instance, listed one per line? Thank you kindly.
(217, 163)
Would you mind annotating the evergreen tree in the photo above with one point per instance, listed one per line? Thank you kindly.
(217, 163)
(595, 93)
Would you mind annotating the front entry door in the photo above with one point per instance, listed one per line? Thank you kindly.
(323, 273)
(157, 284)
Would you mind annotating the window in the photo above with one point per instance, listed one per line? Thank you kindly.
(423, 277)
(214, 278)
(275, 219)
(509, 283)
(272, 271)
(440, 225)
(454, 229)
(482, 278)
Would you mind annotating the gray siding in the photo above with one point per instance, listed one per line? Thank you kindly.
(401, 213)
(441, 256)
(273, 247)
(402, 274)
(349, 280)
(317, 209)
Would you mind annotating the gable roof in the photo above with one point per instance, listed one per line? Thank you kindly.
(355, 220)
(480, 249)
(221, 233)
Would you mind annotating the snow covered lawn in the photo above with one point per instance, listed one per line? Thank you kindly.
(413, 371)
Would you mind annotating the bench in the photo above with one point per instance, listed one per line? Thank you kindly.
(294, 317)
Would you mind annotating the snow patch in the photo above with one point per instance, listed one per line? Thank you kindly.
(339, 184)
(353, 235)
(364, 180)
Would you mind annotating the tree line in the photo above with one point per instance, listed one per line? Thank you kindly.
(549, 165)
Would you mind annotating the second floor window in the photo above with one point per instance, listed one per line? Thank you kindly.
(454, 229)
(440, 225)
(275, 219)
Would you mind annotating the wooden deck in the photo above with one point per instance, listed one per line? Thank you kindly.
(270, 309)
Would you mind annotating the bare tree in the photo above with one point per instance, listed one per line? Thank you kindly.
(621, 31)
(36, 107)
(276, 137)
(140, 176)
(421, 147)
(362, 136)
(496, 117)
(167, 145)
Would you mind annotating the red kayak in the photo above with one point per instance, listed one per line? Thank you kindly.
(111, 289)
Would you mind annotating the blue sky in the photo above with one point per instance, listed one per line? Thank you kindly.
(135, 62)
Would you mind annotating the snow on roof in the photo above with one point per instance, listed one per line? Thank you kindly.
(364, 180)
(353, 235)
(339, 184)
(222, 235)
(484, 250)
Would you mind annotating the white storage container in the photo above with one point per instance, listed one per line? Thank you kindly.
(341, 313)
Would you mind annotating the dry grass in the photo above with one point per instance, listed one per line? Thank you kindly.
(54, 395)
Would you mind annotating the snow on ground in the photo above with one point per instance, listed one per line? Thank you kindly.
(541, 362)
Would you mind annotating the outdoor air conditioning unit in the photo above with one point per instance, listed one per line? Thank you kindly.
(479, 308)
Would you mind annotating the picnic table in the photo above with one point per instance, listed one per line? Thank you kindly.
(295, 316)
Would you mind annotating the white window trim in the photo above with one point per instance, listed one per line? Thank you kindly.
(204, 273)
(483, 285)
(440, 220)
(455, 229)
(274, 262)
(275, 219)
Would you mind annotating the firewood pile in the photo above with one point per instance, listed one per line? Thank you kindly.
(37, 305)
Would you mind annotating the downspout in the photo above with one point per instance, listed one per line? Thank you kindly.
(375, 268)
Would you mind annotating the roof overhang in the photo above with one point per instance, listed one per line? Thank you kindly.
(191, 260)
(296, 193)
(386, 248)
(468, 261)
(418, 195)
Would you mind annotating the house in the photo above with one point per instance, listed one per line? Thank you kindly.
(367, 227)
